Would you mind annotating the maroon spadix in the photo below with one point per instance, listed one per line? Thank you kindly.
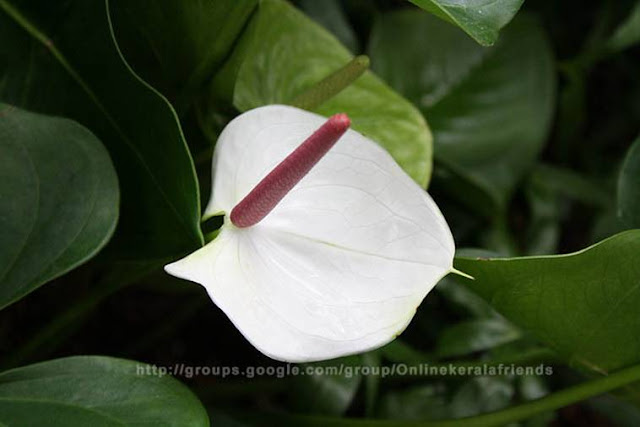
(273, 187)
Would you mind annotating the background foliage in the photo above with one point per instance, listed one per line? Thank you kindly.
(520, 119)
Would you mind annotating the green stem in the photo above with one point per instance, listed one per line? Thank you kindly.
(331, 85)
(520, 412)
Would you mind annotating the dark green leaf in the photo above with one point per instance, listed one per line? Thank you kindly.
(75, 70)
(481, 394)
(176, 45)
(95, 391)
(546, 212)
(628, 33)
(59, 195)
(464, 298)
(621, 413)
(398, 351)
(442, 401)
(629, 188)
(532, 387)
(372, 360)
(481, 19)
(222, 419)
(549, 192)
(523, 352)
(56, 332)
(475, 335)
(489, 108)
(425, 402)
(275, 63)
(330, 390)
(572, 185)
(606, 225)
(583, 305)
(571, 119)
(330, 15)
(520, 412)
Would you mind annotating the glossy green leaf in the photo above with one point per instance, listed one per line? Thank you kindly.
(549, 192)
(329, 390)
(75, 70)
(275, 63)
(629, 188)
(481, 394)
(176, 45)
(331, 15)
(606, 224)
(373, 361)
(95, 391)
(546, 212)
(424, 402)
(489, 108)
(572, 185)
(532, 388)
(628, 33)
(621, 413)
(475, 335)
(467, 301)
(481, 19)
(522, 411)
(60, 197)
(222, 419)
(583, 305)
(398, 351)
(439, 401)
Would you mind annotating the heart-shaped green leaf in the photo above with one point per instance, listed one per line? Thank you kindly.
(438, 400)
(176, 45)
(584, 305)
(276, 63)
(475, 335)
(96, 391)
(330, 388)
(481, 19)
(629, 188)
(59, 195)
(76, 70)
(331, 15)
(489, 108)
(628, 33)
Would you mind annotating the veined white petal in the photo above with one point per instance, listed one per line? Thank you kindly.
(340, 265)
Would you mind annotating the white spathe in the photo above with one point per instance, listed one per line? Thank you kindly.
(340, 265)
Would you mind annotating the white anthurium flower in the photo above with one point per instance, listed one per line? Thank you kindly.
(340, 262)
